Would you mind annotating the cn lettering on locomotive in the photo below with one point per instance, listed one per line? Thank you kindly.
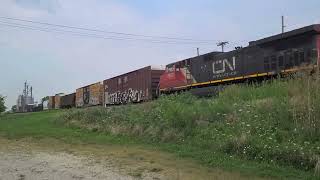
(220, 66)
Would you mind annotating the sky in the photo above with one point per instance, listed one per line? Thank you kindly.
(62, 62)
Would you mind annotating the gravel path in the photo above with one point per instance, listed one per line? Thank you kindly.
(50, 159)
(55, 166)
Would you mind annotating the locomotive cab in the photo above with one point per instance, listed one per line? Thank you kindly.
(173, 78)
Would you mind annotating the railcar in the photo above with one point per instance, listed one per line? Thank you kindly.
(51, 103)
(57, 100)
(68, 101)
(133, 87)
(37, 108)
(279, 54)
(90, 95)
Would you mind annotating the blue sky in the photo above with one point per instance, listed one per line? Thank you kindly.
(55, 63)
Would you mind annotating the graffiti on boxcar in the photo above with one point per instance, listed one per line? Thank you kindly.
(79, 102)
(94, 101)
(224, 68)
(125, 97)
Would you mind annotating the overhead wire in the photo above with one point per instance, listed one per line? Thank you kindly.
(107, 32)
(37, 28)
(102, 34)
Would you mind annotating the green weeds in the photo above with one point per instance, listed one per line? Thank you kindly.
(276, 122)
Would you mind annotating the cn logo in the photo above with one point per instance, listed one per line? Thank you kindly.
(222, 65)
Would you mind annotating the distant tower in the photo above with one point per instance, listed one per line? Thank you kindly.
(25, 100)
(31, 91)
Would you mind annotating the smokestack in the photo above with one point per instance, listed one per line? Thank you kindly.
(24, 97)
(31, 91)
(27, 90)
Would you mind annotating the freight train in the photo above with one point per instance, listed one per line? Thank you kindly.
(203, 75)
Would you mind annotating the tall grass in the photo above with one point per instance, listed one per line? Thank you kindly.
(277, 122)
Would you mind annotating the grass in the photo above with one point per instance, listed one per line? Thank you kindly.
(270, 129)
(43, 125)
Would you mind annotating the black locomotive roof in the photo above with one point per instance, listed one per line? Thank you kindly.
(197, 57)
(312, 28)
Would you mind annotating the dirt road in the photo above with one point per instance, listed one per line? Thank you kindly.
(52, 166)
(53, 160)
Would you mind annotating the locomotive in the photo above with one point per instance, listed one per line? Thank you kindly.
(206, 74)
(264, 58)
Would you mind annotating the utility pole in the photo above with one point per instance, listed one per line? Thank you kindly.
(198, 52)
(282, 24)
(222, 44)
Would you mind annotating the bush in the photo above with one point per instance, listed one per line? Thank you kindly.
(276, 121)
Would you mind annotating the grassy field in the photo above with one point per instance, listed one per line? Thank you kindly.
(271, 129)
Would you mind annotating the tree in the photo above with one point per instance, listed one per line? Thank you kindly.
(45, 99)
(14, 108)
(2, 107)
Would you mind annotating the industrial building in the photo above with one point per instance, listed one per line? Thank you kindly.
(25, 101)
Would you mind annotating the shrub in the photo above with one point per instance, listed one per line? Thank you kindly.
(276, 121)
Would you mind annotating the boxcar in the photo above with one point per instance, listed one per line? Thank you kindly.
(57, 101)
(79, 97)
(68, 101)
(51, 103)
(132, 87)
(90, 95)
(283, 53)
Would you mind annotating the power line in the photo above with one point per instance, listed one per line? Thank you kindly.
(222, 44)
(59, 31)
(22, 26)
(103, 31)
